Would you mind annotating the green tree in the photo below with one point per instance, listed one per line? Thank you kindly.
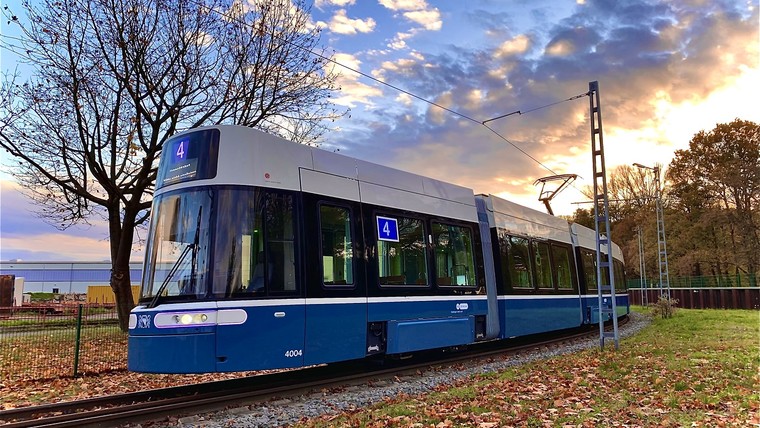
(111, 80)
(584, 217)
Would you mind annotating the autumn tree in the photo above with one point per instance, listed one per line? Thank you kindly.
(632, 189)
(111, 80)
(632, 193)
(718, 177)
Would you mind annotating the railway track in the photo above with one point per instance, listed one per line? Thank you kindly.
(157, 405)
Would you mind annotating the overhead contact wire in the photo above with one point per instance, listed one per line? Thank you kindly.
(394, 87)
(401, 90)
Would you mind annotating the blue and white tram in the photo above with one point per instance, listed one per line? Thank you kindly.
(538, 289)
(584, 241)
(264, 254)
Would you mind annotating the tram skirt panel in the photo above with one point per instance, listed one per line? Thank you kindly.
(415, 335)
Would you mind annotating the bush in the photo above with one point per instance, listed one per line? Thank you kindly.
(37, 297)
(664, 307)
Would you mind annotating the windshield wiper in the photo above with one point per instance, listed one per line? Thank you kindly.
(175, 267)
(173, 270)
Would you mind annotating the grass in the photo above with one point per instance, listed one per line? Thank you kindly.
(698, 368)
(38, 322)
(49, 322)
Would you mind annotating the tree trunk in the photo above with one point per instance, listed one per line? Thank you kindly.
(121, 250)
(121, 285)
(751, 270)
(696, 269)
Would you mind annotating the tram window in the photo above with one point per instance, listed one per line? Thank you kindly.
(543, 265)
(238, 242)
(589, 269)
(589, 262)
(404, 262)
(561, 267)
(337, 245)
(503, 254)
(605, 272)
(178, 262)
(453, 255)
(255, 251)
(519, 263)
(278, 227)
(619, 276)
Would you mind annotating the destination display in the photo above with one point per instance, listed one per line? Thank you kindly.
(189, 157)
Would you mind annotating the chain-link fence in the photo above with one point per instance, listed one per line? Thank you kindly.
(707, 281)
(55, 340)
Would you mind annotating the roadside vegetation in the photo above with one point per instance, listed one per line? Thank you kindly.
(698, 368)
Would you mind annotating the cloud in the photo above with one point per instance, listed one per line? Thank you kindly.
(436, 115)
(342, 24)
(400, 66)
(55, 247)
(560, 48)
(329, 3)
(494, 24)
(25, 236)
(573, 40)
(417, 11)
(397, 5)
(429, 19)
(653, 60)
(352, 91)
(515, 46)
(404, 99)
(399, 41)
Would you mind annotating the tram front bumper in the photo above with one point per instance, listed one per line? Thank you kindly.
(173, 353)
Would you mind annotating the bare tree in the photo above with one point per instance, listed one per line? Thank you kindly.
(113, 79)
(631, 192)
(632, 188)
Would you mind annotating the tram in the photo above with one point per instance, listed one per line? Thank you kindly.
(266, 254)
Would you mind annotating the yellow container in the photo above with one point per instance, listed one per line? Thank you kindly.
(103, 294)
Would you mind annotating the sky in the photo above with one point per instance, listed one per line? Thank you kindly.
(666, 70)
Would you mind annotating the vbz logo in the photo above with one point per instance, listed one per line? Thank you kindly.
(143, 321)
(462, 306)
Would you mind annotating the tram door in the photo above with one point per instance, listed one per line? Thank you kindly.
(336, 299)
(262, 326)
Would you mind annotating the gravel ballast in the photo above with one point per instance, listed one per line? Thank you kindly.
(289, 411)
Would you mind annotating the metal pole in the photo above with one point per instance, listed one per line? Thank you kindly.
(662, 246)
(602, 221)
(77, 342)
(71, 277)
(642, 268)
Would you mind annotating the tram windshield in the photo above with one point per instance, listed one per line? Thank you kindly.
(219, 242)
(179, 246)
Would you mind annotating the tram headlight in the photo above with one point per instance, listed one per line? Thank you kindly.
(185, 319)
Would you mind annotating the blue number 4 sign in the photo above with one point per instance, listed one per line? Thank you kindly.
(387, 229)
(180, 153)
